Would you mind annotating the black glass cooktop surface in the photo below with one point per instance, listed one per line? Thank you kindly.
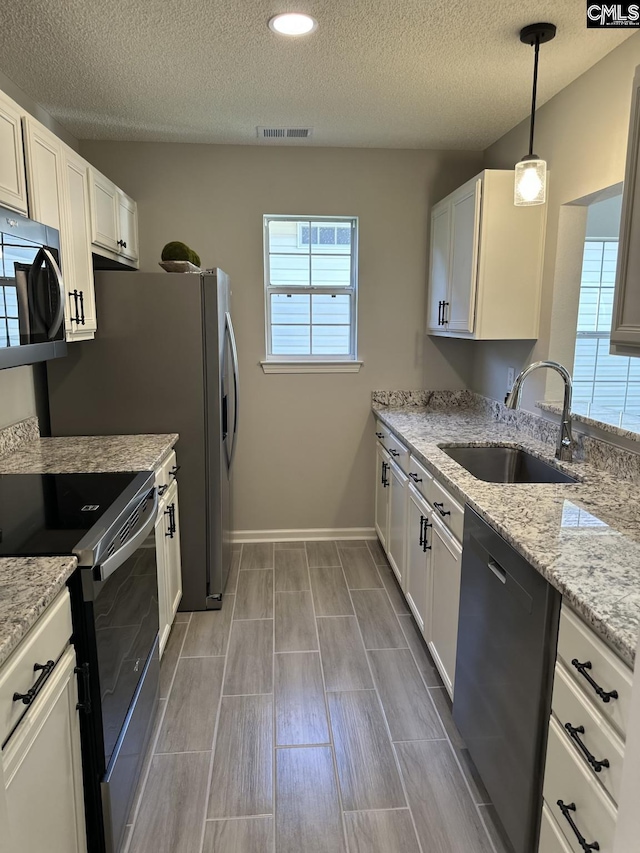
(48, 514)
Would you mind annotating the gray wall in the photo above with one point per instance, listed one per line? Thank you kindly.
(582, 133)
(305, 451)
(18, 390)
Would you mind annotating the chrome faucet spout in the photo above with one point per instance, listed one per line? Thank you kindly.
(565, 437)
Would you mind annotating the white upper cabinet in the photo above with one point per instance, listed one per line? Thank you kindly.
(104, 212)
(485, 269)
(44, 172)
(80, 313)
(13, 187)
(114, 220)
(127, 226)
(625, 329)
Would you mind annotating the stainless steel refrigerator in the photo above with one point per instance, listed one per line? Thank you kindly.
(164, 360)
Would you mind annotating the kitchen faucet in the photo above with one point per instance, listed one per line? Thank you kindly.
(563, 447)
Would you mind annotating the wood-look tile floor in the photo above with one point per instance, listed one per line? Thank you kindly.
(307, 716)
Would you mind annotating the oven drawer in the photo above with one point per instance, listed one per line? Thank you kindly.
(576, 642)
(599, 739)
(568, 781)
(46, 641)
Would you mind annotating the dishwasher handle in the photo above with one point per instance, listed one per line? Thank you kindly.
(497, 570)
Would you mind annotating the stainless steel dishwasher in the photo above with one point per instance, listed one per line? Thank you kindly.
(507, 638)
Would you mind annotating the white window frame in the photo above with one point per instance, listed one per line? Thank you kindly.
(312, 363)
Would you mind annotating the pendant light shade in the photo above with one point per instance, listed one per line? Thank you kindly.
(531, 172)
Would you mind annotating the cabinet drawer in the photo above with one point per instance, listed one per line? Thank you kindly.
(45, 641)
(164, 477)
(567, 779)
(398, 452)
(420, 477)
(551, 837)
(571, 707)
(382, 433)
(577, 642)
(447, 509)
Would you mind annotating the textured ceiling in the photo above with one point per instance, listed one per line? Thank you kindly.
(379, 73)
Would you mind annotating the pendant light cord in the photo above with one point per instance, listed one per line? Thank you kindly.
(534, 94)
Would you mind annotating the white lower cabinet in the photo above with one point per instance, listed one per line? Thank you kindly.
(382, 494)
(396, 545)
(41, 789)
(167, 534)
(446, 567)
(418, 561)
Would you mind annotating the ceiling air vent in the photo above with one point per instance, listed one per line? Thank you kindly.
(275, 133)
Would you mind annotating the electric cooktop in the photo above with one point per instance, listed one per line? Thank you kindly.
(48, 514)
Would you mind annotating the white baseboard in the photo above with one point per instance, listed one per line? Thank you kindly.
(317, 534)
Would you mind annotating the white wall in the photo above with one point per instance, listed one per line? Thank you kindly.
(582, 133)
(305, 450)
(17, 388)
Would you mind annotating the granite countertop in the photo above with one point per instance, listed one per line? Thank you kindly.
(583, 537)
(88, 454)
(28, 585)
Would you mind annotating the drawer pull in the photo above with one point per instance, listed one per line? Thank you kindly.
(393, 452)
(162, 489)
(424, 524)
(582, 669)
(45, 670)
(414, 477)
(385, 482)
(440, 508)
(380, 435)
(566, 808)
(574, 732)
(174, 471)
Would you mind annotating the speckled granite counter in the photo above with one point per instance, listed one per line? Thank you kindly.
(584, 537)
(88, 454)
(28, 585)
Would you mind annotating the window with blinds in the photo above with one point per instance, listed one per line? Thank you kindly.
(310, 287)
(606, 387)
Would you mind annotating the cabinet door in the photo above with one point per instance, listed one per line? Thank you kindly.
(173, 561)
(446, 565)
(44, 173)
(396, 548)
(382, 495)
(43, 771)
(439, 265)
(164, 606)
(465, 231)
(13, 187)
(418, 562)
(105, 211)
(625, 329)
(77, 264)
(127, 227)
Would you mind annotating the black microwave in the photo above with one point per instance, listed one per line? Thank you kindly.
(31, 291)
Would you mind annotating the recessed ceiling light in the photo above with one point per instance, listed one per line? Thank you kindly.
(293, 24)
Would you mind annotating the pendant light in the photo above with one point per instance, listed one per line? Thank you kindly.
(531, 172)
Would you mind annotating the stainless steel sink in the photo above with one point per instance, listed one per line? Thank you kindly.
(506, 465)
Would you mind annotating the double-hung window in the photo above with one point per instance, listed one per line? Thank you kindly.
(311, 283)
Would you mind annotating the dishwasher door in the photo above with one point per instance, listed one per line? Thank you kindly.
(507, 638)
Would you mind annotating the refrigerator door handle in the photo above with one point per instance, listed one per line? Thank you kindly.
(236, 393)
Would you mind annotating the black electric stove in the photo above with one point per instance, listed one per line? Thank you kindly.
(49, 514)
(107, 521)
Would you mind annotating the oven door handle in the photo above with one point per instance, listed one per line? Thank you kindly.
(109, 566)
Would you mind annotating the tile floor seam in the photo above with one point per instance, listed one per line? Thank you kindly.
(217, 723)
(332, 749)
(373, 681)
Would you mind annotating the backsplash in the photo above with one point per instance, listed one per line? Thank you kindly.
(13, 436)
(618, 461)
